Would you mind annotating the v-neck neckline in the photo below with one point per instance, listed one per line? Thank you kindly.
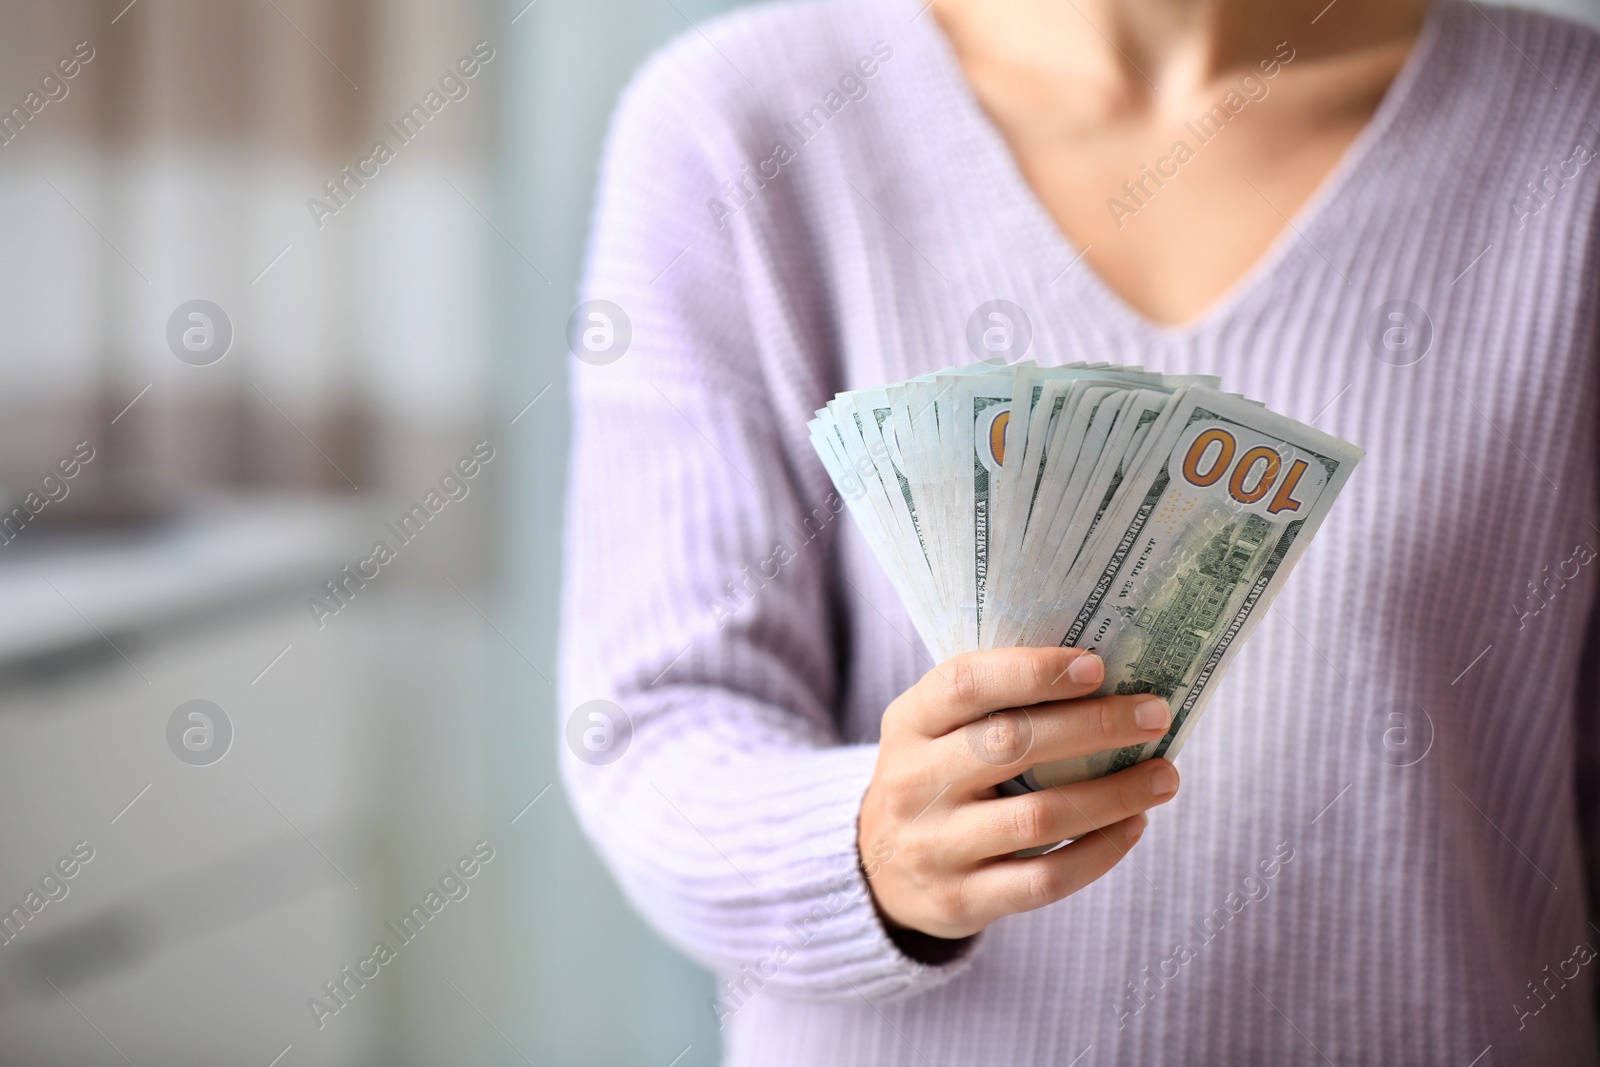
(993, 165)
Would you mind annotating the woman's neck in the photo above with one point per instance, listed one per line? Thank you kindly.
(1150, 51)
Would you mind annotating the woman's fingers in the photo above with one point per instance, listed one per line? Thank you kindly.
(987, 829)
(1008, 886)
(974, 721)
(969, 686)
(1006, 743)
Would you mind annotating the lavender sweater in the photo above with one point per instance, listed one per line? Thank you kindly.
(1385, 844)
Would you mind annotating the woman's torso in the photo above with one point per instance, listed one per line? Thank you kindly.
(1409, 906)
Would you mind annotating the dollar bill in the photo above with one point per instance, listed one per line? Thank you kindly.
(982, 410)
(1185, 566)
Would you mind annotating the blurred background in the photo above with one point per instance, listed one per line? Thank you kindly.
(240, 347)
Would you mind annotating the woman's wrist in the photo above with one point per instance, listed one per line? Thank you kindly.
(924, 948)
(915, 945)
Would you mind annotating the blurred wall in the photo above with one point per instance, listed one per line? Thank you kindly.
(178, 165)
(179, 162)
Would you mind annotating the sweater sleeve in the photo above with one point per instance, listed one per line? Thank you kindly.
(714, 783)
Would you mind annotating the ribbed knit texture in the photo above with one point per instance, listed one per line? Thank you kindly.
(1420, 901)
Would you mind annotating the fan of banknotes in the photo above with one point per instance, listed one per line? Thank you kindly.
(1147, 517)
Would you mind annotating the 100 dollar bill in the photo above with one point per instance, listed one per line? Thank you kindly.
(1187, 559)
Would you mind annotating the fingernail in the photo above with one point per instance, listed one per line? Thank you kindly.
(1086, 668)
(1164, 780)
(1150, 714)
(1134, 827)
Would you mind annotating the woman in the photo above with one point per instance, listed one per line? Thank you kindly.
(1372, 216)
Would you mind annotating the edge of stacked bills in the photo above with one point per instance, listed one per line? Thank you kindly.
(1147, 517)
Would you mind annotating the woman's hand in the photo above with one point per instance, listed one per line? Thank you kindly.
(970, 723)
